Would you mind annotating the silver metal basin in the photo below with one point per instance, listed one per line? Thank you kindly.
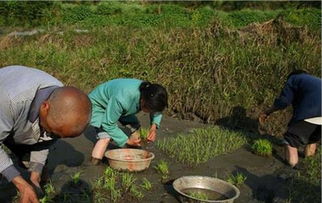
(205, 189)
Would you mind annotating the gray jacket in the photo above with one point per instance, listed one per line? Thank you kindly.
(18, 88)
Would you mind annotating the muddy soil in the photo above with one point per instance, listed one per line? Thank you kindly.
(265, 182)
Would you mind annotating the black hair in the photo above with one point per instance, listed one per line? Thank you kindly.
(155, 96)
(296, 72)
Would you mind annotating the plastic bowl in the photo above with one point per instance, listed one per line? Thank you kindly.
(129, 159)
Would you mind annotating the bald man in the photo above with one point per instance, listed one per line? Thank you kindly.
(36, 110)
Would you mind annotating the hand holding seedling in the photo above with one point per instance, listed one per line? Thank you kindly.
(134, 139)
(152, 133)
(27, 193)
(262, 118)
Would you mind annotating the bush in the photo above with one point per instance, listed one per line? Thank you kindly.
(262, 147)
(24, 13)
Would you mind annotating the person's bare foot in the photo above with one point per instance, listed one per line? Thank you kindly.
(95, 161)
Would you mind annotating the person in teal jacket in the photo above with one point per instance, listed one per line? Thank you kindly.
(119, 100)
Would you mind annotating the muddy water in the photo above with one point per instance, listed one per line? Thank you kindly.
(69, 156)
(204, 194)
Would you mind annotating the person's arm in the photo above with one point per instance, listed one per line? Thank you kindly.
(155, 120)
(37, 162)
(109, 122)
(285, 99)
(7, 169)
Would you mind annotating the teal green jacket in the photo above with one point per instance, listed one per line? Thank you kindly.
(116, 99)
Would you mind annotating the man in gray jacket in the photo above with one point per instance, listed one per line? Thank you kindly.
(35, 110)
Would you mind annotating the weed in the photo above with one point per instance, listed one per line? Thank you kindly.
(237, 179)
(163, 169)
(262, 147)
(146, 184)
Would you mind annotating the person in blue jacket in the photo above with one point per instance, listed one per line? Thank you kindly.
(303, 92)
(119, 100)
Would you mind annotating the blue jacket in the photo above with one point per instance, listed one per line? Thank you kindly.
(303, 91)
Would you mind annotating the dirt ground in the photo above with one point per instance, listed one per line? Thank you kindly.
(265, 176)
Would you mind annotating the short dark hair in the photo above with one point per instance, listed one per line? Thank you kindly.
(155, 96)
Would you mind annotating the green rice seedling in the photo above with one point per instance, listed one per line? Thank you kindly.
(198, 195)
(144, 132)
(262, 147)
(49, 193)
(135, 192)
(127, 181)
(146, 184)
(202, 144)
(163, 169)
(76, 177)
(237, 179)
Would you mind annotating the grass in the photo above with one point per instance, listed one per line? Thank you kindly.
(237, 179)
(163, 169)
(202, 144)
(207, 70)
(262, 147)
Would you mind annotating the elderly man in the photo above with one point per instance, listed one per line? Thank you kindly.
(303, 92)
(35, 110)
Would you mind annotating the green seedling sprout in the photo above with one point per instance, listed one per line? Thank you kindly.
(136, 193)
(163, 169)
(198, 195)
(262, 147)
(144, 133)
(146, 184)
(237, 179)
(76, 177)
(127, 181)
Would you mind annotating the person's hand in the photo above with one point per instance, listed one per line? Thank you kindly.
(134, 139)
(262, 118)
(27, 193)
(35, 178)
(152, 133)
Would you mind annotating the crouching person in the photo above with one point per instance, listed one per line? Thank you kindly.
(35, 111)
(303, 92)
(119, 100)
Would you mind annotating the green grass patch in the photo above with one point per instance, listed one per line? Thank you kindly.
(207, 68)
(202, 144)
(262, 147)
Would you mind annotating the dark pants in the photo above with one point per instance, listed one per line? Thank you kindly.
(302, 133)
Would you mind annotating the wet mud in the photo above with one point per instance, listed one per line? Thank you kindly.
(68, 156)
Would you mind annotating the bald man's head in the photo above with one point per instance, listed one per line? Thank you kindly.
(66, 113)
